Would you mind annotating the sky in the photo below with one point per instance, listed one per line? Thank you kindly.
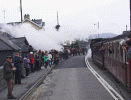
(76, 17)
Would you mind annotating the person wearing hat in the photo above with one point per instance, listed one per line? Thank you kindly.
(8, 75)
(18, 65)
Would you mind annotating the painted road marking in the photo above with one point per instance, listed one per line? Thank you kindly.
(113, 93)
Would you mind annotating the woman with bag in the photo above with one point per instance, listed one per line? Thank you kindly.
(26, 65)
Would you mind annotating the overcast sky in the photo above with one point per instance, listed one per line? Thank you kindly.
(75, 16)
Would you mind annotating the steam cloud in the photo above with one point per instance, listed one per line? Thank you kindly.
(44, 39)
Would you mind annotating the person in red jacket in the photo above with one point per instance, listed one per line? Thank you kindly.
(31, 57)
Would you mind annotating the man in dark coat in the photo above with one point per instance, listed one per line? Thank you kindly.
(8, 75)
(18, 65)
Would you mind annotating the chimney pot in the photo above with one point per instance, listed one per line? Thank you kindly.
(27, 16)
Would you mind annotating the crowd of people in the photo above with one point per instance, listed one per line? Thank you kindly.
(33, 63)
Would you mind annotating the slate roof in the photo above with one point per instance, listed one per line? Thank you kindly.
(38, 22)
(6, 44)
(25, 48)
(22, 43)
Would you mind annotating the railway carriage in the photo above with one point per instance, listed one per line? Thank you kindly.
(109, 53)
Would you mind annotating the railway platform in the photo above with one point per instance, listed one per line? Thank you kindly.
(19, 90)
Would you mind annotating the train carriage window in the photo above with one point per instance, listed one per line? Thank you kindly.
(121, 53)
(113, 50)
(117, 51)
(108, 49)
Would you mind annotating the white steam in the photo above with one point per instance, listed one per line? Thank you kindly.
(122, 42)
(43, 39)
(89, 53)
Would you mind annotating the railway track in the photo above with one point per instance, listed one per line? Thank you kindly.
(37, 84)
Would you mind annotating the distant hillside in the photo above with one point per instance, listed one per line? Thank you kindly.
(103, 35)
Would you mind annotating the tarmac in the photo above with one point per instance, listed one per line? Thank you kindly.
(94, 89)
(73, 80)
(19, 90)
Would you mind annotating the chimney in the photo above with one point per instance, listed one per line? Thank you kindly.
(27, 16)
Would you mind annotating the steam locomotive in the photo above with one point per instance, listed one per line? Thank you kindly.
(110, 55)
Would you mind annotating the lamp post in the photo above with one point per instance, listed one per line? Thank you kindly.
(57, 26)
(98, 29)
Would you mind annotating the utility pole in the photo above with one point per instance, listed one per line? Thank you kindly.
(98, 29)
(21, 10)
(126, 27)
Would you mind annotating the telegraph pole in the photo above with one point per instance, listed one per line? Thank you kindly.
(21, 10)
(98, 29)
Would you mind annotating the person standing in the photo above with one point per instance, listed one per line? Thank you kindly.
(26, 65)
(40, 59)
(83, 51)
(8, 75)
(56, 58)
(36, 62)
(18, 65)
(79, 51)
(49, 59)
(31, 57)
(127, 48)
(45, 59)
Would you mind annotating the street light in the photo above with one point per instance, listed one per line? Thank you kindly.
(98, 28)
(57, 26)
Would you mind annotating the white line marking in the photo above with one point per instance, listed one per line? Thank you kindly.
(113, 93)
